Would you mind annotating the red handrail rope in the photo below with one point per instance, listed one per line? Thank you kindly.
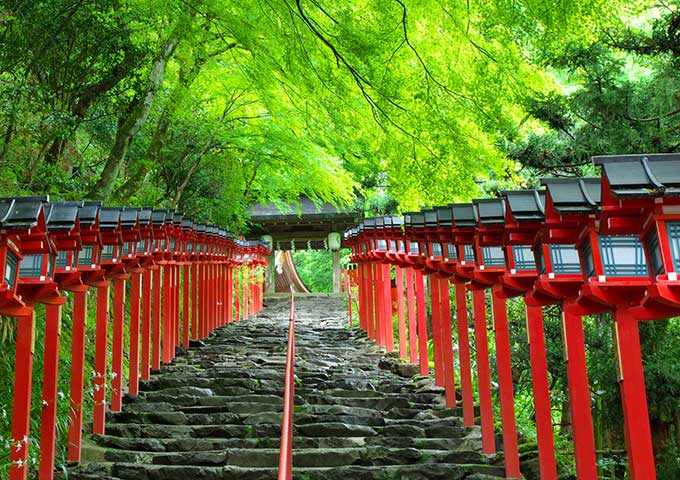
(286, 450)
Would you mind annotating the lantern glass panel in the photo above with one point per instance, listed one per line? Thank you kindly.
(623, 255)
(436, 250)
(190, 247)
(565, 260)
(414, 247)
(51, 260)
(382, 244)
(85, 258)
(173, 241)
(31, 266)
(673, 229)
(468, 253)
(540, 260)
(451, 251)
(401, 246)
(393, 245)
(62, 259)
(129, 248)
(141, 246)
(108, 252)
(654, 250)
(493, 256)
(11, 269)
(524, 257)
(587, 254)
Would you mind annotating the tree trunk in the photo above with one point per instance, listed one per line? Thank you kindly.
(129, 125)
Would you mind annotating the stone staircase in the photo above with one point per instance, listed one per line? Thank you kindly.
(215, 412)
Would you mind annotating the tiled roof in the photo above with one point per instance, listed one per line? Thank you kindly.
(574, 195)
(642, 175)
(464, 215)
(490, 211)
(526, 205)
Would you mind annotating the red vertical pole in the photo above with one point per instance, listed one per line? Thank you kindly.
(401, 314)
(361, 277)
(21, 412)
(201, 301)
(541, 388)
(195, 304)
(146, 325)
(167, 308)
(117, 345)
(185, 300)
(75, 426)
(237, 294)
(379, 309)
(579, 394)
(100, 369)
(422, 324)
(156, 340)
(641, 465)
(230, 294)
(464, 355)
(447, 343)
(435, 306)
(507, 397)
(483, 371)
(412, 330)
(48, 417)
(245, 293)
(179, 339)
(370, 300)
(133, 377)
(388, 324)
(174, 324)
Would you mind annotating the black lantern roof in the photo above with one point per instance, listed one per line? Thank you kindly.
(129, 217)
(199, 227)
(392, 221)
(408, 221)
(370, 223)
(574, 195)
(379, 222)
(430, 216)
(444, 215)
(187, 224)
(88, 213)
(490, 211)
(21, 212)
(158, 217)
(145, 216)
(418, 219)
(642, 175)
(211, 230)
(61, 216)
(526, 205)
(177, 219)
(109, 218)
(464, 215)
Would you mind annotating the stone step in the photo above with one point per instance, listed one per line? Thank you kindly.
(430, 471)
(302, 457)
(472, 441)
(215, 411)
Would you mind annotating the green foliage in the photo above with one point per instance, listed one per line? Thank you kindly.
(314, 268)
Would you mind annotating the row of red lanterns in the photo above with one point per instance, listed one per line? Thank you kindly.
(48, 248)
(591, 245)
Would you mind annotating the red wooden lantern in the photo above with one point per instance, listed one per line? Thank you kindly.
(525, 215)
(572, 206)
(639, 206)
